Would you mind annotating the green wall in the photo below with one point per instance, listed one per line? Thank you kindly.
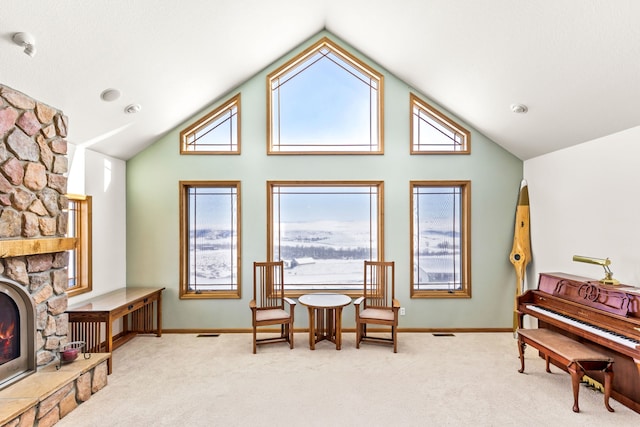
(153, 210)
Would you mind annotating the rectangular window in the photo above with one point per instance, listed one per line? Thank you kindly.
(210, 239)
(434, 133)
(324, 231)
(440, 242)
(79, 226)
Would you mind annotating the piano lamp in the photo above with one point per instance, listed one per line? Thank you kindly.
(608, 274)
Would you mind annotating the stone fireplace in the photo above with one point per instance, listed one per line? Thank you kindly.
(33, 217)
(35, 391)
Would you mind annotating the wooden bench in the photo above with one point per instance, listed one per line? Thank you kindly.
(575, 356)
(134, 305)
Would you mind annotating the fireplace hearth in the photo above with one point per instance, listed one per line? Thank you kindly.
(17, 333)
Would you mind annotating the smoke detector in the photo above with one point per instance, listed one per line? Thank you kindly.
(519, 108)
(132, 108)
(27, 41)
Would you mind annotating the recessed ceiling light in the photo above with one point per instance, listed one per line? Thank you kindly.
(132, 108)
(519, 108)
(110, 95)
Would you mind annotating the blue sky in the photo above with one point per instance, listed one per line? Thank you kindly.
(324, 102)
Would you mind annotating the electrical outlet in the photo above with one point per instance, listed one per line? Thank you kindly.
(402, 311)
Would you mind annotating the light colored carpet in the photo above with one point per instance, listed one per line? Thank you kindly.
(467, 379)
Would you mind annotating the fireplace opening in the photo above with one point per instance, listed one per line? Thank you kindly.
(17, 333)
(9, 339)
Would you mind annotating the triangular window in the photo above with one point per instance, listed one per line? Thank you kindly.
(216, 133)
(432, 132)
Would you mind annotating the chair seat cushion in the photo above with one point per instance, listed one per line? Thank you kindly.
(271, 314)
(376, 313)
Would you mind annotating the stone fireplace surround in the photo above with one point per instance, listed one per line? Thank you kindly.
(33, 253)
(33, 187)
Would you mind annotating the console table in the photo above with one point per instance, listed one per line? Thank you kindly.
(134, 305)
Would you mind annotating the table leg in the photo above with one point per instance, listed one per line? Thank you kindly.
(158, 314)
(338, 328)
(109, 343)
(331, 323)
(312, 332)
(321, 330)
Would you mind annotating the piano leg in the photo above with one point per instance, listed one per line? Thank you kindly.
(608, 381)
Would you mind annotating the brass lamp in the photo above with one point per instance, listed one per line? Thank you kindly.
(608, 278)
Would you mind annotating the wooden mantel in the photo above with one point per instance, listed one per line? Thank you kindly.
(21, 247)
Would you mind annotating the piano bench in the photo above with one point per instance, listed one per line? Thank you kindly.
(577, 357)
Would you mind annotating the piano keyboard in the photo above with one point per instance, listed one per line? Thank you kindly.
(613, 336)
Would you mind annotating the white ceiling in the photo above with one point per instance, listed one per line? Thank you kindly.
(574, 63)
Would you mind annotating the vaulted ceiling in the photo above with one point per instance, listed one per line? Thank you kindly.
(574, 63)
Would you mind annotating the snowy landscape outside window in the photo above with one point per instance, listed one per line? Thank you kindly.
(210, 239)
(324, 231)
(440, 244)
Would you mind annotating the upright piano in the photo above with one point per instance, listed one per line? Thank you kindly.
(605, 317)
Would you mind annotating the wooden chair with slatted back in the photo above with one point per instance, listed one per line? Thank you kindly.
(378, 305)
(268, 303)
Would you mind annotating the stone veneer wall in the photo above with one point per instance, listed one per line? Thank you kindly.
(33, 164)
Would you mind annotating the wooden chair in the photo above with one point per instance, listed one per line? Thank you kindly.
(379, 306)
(267, 305)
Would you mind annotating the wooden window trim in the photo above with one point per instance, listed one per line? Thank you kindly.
(204, 122)
(465, 231)
(184, 291)
(379, 230)
(83, 247)
(325, 42)
(415, 101)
